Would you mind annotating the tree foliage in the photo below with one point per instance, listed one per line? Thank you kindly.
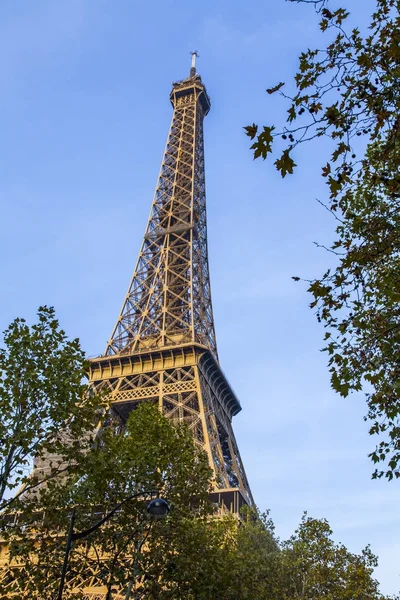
(191, 555)
(349, 93)
(149, 454)
(314, 566)
(43, 401)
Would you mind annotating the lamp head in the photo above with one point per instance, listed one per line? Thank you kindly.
(158, 507)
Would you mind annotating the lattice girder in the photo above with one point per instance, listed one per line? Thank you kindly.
(169, 299)
(188, 386)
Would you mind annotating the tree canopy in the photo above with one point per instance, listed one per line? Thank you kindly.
(150, 454)
(348, 91)
(190, 555)
(315, 566)
(45, 409)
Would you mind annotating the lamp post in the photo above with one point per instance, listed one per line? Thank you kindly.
(157, 507)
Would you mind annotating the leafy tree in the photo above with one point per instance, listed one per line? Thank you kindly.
(45, 410)
(216, 558)
(149, 454)
(229, 560)
(314, 566)
(191, 555)
(349, 93)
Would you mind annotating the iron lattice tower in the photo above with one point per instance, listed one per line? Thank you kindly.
(163, 346)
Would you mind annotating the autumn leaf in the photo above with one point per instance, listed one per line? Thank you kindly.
(263, 145)
(251, 130)
(285, 164)
(276, 88)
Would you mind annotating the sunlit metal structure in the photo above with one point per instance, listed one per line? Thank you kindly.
(163, 346)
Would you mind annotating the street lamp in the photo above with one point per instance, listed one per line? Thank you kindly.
(157, 507)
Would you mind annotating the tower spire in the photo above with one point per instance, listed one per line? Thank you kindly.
(169, 299)
(195, 55)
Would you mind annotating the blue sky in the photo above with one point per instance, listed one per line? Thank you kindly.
(84, 117)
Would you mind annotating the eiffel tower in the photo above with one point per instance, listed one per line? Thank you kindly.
(163, 346)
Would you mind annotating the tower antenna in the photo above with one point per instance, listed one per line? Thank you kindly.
(195, 55)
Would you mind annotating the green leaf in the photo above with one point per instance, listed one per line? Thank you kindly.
(341, 149)
(326, 170)
(285, 164)
(263, 145)
(251, 130)
(292, 114)
(276, 88)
